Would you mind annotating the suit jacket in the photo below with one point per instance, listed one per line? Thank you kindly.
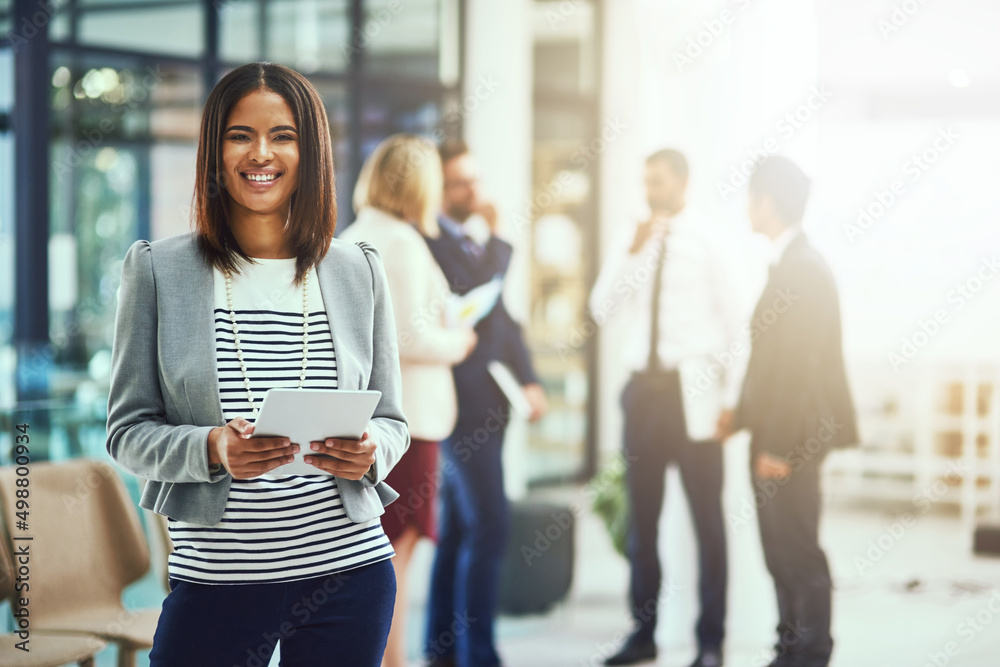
(164, 395)
(427, 349)
(499, 334)
(795, 400)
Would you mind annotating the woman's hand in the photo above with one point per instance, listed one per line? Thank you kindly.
(349, 459)
(470, 342)
(245, 457)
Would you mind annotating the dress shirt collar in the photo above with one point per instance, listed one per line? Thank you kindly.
(782, 241)
(474, 229)
(452, 227)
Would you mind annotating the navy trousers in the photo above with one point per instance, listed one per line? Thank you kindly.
(338, 620)
(789, 534)
(474, 524)
(655, 436)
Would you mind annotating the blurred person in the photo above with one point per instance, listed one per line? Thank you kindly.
(676, 278)
(207, 322)
(796, 404)
(397, 198)
(474, 510)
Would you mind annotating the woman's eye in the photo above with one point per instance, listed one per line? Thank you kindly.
(284, 137)
(238, 137)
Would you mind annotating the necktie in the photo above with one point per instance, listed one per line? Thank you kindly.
(653, 363)
(472, 248)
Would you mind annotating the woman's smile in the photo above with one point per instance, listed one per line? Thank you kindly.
(261, 179)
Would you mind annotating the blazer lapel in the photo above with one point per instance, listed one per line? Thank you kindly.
(186, 310)
(338, 312)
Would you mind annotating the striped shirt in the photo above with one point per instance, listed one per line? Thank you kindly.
(274, 527)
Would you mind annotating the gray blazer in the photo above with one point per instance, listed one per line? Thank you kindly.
(164, 396)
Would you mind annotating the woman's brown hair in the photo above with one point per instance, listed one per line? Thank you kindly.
(313, 211)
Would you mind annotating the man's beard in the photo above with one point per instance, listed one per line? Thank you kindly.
(459, 213)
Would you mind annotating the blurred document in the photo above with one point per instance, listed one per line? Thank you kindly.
(511, 388)
(465, 311)
(702, 395)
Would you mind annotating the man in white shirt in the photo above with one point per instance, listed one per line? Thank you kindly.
(678, 401)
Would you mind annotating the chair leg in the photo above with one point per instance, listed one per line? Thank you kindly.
(126, 656)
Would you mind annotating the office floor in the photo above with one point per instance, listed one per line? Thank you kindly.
(906, 595)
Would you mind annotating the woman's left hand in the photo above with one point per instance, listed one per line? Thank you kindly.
(349, 459)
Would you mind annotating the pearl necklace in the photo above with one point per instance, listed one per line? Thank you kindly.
(236, 336)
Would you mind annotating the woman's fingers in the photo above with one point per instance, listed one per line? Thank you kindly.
(346, 448)
(338, 467)
(343, 457)
(264, 445)
(241, 426)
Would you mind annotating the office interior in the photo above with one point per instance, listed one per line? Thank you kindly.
(892, 107)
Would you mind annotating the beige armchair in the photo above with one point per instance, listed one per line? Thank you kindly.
(87, 546)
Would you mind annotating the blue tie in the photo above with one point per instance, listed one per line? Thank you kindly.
(472, 248)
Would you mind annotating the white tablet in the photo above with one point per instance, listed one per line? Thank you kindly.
(303, 415)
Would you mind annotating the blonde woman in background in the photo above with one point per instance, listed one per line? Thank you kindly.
(397, 199)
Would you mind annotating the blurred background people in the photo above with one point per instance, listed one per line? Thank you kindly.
(797, 405)
(474, 510)
(676, 279)
(397, 199)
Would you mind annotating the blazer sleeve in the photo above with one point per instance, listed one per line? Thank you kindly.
(139, 438)
(515, 350)
(795, 368)
(388, 427)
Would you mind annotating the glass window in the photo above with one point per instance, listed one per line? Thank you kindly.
(6, 80)
(562, 232)
(389, 110)
(239, 30)
(105, 99)
(564, 47)
(557, 327)
(402, 38)
(122, 156)
(175, 29)
(308, 35)
(6, 268)
(335, 99)
(6, 231)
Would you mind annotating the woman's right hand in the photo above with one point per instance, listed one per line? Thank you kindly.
(470, 342)
(246, 457)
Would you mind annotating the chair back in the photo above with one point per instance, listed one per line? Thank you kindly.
(88, 543)
(8, 571)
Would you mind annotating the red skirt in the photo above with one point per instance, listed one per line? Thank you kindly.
(415, 479)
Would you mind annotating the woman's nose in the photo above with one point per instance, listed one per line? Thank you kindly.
(261, 151)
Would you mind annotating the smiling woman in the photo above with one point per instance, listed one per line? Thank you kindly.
(264, 122)
(207, 323)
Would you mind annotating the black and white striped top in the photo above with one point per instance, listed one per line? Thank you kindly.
(275, 527)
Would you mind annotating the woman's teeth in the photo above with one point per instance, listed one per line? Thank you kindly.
(260, 177)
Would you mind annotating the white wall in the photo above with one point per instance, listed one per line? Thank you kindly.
(498, 75)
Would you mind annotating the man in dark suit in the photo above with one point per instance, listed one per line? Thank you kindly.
(797, 405)
(474, 519)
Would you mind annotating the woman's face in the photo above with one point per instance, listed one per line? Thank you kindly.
(260, 153)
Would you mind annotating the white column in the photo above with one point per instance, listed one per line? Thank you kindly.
(621, 192)
(498, 129)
